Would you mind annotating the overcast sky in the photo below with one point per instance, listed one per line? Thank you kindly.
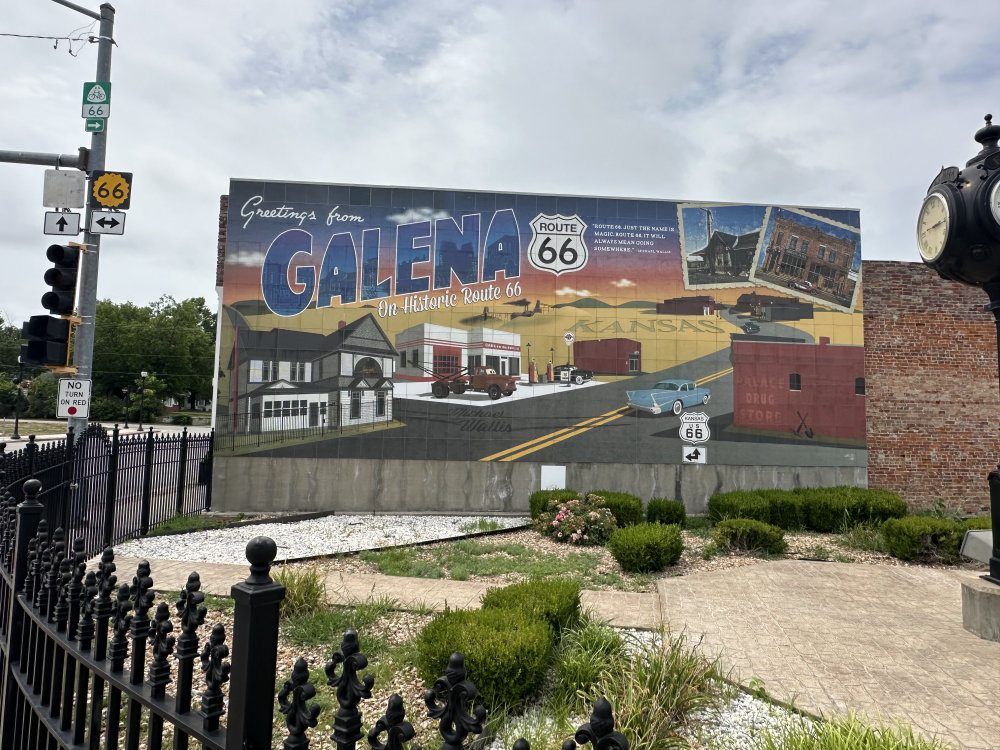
(842, 104)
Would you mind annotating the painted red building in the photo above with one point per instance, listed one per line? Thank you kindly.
(811, 390)
(700, 305)
(609, 356)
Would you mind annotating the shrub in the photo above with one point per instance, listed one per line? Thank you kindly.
(977, 523)
(507, 652)
(881, 505)
(738, 504)
(539, 501)
(580, 521)
(661, 510)
(182, 419)
(923, 538)
(748, 534)
(305, 591)
(785, 509)
(554, 600)
(830, 509)
(646, 547)
(626, 508)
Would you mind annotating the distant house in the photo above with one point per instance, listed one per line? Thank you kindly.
(770, 307)
(698, 305)
(609, 356)
(285, 379)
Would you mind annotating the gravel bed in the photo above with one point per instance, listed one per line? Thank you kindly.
(315, 537)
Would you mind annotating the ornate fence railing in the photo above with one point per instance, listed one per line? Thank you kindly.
(106, 487)
(85, 666)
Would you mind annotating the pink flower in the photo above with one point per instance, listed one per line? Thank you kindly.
(556, 522)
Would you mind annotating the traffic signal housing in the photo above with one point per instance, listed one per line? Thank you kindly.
(62, 278)
(48, 341)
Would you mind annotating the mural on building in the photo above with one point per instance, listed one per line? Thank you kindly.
(373, 322)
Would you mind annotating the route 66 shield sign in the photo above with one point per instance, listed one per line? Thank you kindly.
(557, 244)
(694, 427)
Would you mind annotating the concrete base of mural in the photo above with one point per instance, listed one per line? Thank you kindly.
(256, 484)
(981, 608)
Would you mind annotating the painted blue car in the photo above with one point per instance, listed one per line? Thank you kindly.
(669, 396)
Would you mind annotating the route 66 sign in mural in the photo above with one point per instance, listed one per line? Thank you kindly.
(557, 244)
(694, 427)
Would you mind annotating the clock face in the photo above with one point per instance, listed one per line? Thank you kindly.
(995, 202)
(933, 227)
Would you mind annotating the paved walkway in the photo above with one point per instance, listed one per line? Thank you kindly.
(829, 637)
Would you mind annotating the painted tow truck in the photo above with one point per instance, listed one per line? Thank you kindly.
(481, 379)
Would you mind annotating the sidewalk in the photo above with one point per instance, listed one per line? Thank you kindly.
(829, 637)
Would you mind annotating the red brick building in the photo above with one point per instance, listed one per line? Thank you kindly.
(788, 387)
(609, 356)
(807, 253)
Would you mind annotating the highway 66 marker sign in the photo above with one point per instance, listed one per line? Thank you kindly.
(694, 427)
(557, 244)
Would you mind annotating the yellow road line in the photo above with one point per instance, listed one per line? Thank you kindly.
(566, 433)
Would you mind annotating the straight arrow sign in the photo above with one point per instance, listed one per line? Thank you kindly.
(60, 222)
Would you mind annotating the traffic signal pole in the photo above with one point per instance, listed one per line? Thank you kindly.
(83, 339)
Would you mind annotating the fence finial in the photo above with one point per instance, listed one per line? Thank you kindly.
(261, 551)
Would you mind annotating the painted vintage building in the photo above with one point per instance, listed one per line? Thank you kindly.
(803, 252)
(426, 350)
(616, 356)
(808, 390)
(288, 379)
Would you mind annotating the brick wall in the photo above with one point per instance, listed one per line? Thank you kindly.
(931, 375)
(220, 254)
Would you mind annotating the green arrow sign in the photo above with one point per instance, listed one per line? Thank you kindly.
(94, 125)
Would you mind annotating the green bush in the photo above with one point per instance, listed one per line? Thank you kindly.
(507, 652)
(977, 523)
(585, 656)
(830, 509)
(738, 504)
(182, 419)
(582, 521)
(554, 600)
(646, 547)
(881, 505)
(539, 501)
(748, 534)
(785, 509)
(626, 508)
(923, 539)
(661, 510)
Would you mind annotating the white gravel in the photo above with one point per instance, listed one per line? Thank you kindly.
(318, 536)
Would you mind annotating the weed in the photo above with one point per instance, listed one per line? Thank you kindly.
(181, 523)
(480, 525)
(305, 590)
(816, 552)
(842, 558)
(865, 536)
(756, 688)
(848, 733)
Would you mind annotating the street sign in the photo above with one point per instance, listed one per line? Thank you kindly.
(74, 398)
(94, 125)
(97, 99)
(62, 223)
(569, 337)
(694, 454)
(107, 222)
(694, 427)
(64, 188)
(110, 189)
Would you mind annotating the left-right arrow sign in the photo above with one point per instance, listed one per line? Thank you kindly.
(62, 222)
(107, 222)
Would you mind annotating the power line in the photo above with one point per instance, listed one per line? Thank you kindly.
(83, 35)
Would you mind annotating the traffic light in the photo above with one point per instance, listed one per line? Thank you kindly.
(62, 278)
(48, 341)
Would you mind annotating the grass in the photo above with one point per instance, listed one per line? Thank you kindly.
(463, 559)
(480, 525)
(848, 733)
(26, 427)
(865, 536)
(180, 523)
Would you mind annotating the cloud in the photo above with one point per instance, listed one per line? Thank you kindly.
(568, 291)
(623, 283)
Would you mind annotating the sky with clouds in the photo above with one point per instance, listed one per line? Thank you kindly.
(841, 104)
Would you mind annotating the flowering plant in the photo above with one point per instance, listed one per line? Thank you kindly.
(583, 521)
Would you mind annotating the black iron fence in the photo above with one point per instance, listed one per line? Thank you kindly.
(69, 680)
(106, 487)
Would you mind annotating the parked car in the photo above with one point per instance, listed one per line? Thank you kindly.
(750, 327)
(669, 396)
(576, 374)
(802, 285)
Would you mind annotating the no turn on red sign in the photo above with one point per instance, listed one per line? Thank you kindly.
(74, 398)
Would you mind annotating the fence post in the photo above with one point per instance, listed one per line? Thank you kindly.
(67, 479)
(210, 459)
(29, 451)
(255, 650)
(112, 490)
(29, 515)
(147, 486)
(182, 472)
